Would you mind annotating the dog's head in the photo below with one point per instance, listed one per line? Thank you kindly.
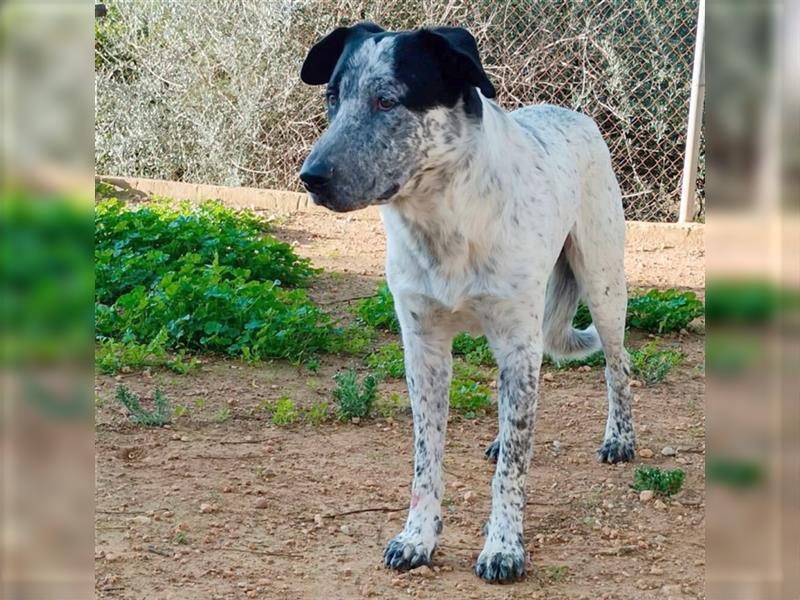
(396, 102)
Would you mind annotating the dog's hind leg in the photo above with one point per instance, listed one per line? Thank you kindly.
(428, 361)
(596, 256)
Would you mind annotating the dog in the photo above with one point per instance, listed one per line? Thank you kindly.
(496, 223)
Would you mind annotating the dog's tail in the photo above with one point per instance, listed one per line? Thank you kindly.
(561, 339)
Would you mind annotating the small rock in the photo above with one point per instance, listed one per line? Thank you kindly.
(347, 571)
(668, 451)
(636, 383)
(206, 508)
(659, 505)
(548, 377)
(318, 520)
(556, 446)
(345, 529)
(646, 453)
(184, 438)
(423, 571)
(262, 503)
(467, 496)
(141, 519)
(646, 495)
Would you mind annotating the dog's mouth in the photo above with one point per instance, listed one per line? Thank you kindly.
(331, 204)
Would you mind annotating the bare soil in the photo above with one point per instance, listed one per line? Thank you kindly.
(223, 504)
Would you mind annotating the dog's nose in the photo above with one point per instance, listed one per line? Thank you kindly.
(316, 176)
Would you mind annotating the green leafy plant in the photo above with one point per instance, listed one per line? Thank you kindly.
(317, 413)
(652, 364)
(353, 340)
(659, 311)
(378, 310)
(159, 416)
(469, 398)
(582, 318)
(284, 412)
(201, 278)
(665, 483)
(388, 361)
(597, 359)
(464, 370)
(354, 400)
(475, 350)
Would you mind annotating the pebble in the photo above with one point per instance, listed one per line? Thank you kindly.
(206, 508)
(262, 503)
(318, 520)
(423, 571)
(141, 519)
(467, 496)
(659, 505)
(668, 451)
(548, 377)
(345, 530)
(646, 453)
(646, 495)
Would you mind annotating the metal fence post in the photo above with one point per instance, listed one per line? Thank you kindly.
(686, 212)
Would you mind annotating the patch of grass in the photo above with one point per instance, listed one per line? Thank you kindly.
(469, 398)
(378, 311)
(352, 340)
(181, 411)
(660, 311)
(208, 277)
(160, 415)
(387, 361)
(354, 400)
(475, 350)
(284, 412)
(317, 413)
(223, 415)
(552, 573)
(312, 364)
(661, 482)
(652, 364)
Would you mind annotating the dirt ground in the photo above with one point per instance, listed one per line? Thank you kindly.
(304, 511)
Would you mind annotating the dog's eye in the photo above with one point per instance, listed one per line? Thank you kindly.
(331, 98)
(384, 103)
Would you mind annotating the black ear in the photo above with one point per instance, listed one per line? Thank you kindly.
(459, 52)
(323, 56)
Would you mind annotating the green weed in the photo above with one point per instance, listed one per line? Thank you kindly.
(665, 483)
(181, 538)
(222, 415)
(390, 407)
(469, 398)
(112, 356)
(354, 400)
(475, 350)
(160, 415)
(387, 361)
(284, 412)
(378, 311)
(651, 364)
(317, 413)
(659, 311)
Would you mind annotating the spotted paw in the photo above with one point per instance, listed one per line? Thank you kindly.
(405, 552)
(614, 451)
(501, 565)
(492, 451)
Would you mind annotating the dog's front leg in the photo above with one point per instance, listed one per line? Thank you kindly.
(519, 356)
(428, 363)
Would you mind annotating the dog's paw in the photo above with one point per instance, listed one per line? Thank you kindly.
(492, 451)
(501, 563)
(407, 551)
(614, 451)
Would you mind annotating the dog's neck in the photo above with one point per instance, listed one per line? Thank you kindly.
(448, 205)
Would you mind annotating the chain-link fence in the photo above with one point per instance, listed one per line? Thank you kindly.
(210, 92)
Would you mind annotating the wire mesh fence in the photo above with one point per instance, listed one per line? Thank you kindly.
(209, 92)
